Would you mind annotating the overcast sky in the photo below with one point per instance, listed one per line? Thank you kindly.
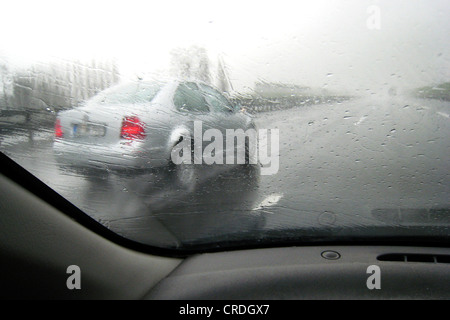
(315, 43)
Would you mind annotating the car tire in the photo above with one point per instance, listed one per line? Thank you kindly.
(185, 176)
(247, 154)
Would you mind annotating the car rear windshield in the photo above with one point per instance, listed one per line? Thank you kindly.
(128, 93)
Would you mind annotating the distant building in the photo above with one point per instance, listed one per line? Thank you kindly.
(195, 63)
(56, 85)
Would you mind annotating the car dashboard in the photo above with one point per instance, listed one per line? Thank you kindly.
(38, 242)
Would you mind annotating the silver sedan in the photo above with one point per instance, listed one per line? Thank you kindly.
(137, 126)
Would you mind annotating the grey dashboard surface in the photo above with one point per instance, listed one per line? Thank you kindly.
(304, 273)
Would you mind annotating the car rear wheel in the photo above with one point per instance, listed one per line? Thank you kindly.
(247, 154)
(185, 175)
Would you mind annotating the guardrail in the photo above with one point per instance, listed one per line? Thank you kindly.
(265, 105)
(26, 122)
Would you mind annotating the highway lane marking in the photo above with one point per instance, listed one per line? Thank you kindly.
(360, 120)
(443, 114)
(269, 201)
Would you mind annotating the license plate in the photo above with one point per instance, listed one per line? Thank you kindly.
(89, 129)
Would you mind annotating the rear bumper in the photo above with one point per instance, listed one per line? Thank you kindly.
(114, 156)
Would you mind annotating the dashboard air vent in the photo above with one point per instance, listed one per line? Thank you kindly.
(410, 257)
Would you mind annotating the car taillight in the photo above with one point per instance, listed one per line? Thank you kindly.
(58, 129)
(132, 128)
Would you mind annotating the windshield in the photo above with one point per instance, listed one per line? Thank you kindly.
(280, 121)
